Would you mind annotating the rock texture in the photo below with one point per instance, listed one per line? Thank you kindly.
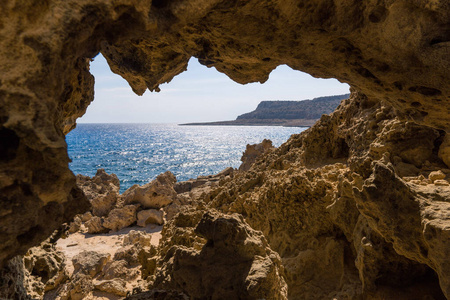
(235, 262)
(334, 204)
(156, 194)
(322, 200)
(253, 152)
(102, 191)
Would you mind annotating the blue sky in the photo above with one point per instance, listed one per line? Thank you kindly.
(200, 94)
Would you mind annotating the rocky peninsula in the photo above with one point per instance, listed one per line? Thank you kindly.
(302, 113)
(355, 207)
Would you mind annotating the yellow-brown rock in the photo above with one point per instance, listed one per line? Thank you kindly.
(235, 262)
(340, 228)
(306, 198)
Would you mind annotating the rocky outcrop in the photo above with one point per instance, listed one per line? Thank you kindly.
(41, 270)
(252, 152)
(395, 53)
(90, 262)
(235, 262)
(156, 194)
(344, 225)
(189, 185)
(113, 212)
(46, 269)
(120, 218)
(285, 112)
(102, 191)
(150, 216)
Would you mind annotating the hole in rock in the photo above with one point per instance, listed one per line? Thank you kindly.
(138, 138)
(9, 144)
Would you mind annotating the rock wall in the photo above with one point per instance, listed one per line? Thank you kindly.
(394, 52)
(354, 206)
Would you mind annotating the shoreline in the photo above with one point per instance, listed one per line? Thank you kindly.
(268, 122)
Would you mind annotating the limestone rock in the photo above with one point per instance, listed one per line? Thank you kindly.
(90, 262)
(12, 280)
(394, 54)
(156, 194)
(119, 269)
(391, 50)
(235, 262)
(303, 197)
(86, 216)
(79, 287)
(120, 218)
(148, 261)
(47, 266)
(128, 253)
(436, 175)
(150, 216)
(102, 191)
(135, 237)
(75, 225)
(115, 286)
(189, 185)
(95, 225)
(252, 152)
(409, 220)
(441, 182)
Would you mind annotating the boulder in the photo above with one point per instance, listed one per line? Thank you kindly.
(436, 175)
(79, 287)
(156, 194)
(116, 286)
(120, 218)
(75, 225)
(119, 268)
(95, 225)
(235, 263)
(90, 262)
(128, 253)
(135, 237)
(102, 191)
(150, 216)
(46, 265)
(86, 216)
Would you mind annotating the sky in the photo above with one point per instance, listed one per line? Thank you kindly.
(199, 94)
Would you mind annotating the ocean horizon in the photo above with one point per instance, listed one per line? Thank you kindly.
(138, 152)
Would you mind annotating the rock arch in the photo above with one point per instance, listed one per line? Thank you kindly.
(390, 50)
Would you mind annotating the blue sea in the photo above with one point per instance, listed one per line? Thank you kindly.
(137, 153)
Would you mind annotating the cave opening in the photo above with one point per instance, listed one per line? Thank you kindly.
(138, 138)
(395, 52)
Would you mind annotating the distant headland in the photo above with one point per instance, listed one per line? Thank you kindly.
(302, 113)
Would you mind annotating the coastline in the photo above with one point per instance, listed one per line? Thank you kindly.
(260, 122)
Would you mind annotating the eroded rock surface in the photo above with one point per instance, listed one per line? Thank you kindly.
(102, 191)
(252, 152)
(235, 262)
(395, 51)
(344, 226)
(321, 200)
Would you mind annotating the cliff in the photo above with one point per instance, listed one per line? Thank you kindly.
(285, 113)
(290, 110)
(356, 207)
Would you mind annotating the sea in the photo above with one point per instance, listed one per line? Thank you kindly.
(137, 153)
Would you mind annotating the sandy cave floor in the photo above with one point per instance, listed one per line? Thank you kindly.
(103, 243)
